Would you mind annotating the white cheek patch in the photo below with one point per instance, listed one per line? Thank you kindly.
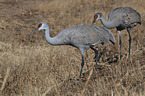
(39, 28)
(97, 19)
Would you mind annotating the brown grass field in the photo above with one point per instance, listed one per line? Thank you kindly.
(29, 66)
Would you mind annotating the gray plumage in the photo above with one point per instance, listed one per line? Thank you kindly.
(120, 18)
(82, 37)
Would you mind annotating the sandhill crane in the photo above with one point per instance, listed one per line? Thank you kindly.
(82, 37)
(120, 18)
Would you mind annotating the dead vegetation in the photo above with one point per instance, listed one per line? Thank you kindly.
(31, 67)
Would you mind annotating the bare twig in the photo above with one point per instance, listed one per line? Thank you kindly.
(5, 79)
(49, 89)
(87, 81)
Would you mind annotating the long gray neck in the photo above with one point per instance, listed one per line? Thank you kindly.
(50, 40)
(109, 24)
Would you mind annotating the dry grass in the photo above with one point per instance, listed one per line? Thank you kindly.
(37, 68)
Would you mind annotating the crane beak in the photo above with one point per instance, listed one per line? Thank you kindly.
(94, 21)
(33, 31)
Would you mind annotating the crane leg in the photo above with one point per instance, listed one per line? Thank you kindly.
(82, 65)
(120, 45)
(96, 54)
(128, 30)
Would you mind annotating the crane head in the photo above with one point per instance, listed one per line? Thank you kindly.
(41, 26)
(97, 16)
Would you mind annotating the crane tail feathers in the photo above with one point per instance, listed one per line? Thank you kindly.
(112, 42)
(111, 37)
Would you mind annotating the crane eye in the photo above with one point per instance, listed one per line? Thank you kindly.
(39, 25)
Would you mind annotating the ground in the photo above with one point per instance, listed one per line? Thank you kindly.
(29, 66)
